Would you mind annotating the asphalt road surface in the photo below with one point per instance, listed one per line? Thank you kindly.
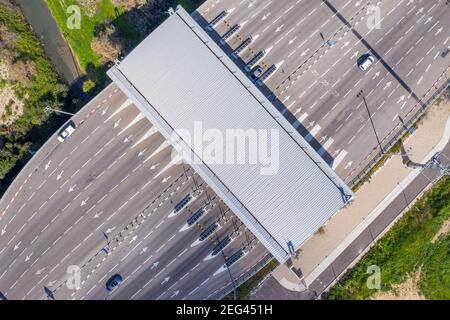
(318, 85)
(103, 201)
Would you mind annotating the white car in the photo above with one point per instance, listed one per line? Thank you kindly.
(366, 63)
(68, 130)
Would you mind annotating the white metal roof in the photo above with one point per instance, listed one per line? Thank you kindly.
(177, 76)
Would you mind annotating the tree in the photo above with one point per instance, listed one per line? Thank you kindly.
(88, 85)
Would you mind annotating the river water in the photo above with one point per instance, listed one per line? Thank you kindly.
(39, 17)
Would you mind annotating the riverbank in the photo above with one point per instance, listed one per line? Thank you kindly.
(31, 82)
(39, 17)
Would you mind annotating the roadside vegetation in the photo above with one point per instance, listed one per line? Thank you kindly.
(109, 28)
(244, 290)
(419, 243)
(28, 83)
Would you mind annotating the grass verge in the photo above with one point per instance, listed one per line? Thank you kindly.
(405, 248)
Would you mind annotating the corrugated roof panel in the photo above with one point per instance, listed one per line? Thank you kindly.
(178, 76)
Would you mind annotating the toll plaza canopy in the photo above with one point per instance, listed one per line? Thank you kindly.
(179, 78)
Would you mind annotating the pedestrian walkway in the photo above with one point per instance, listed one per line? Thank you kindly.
(372, 198)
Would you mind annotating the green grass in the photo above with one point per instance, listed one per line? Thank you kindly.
(80, 40)
(405, 248)
(434, 281)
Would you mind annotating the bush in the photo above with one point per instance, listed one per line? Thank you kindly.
(88, 85)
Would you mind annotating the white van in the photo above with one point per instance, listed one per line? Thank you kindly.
(67, 131)
(366, 63)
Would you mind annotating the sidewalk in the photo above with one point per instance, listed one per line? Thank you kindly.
(372, 198)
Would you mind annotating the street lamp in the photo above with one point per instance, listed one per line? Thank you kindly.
(361, 95)
(50, 110)
(329, 42)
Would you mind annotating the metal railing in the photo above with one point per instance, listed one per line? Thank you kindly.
(400, 133)
(245, 276)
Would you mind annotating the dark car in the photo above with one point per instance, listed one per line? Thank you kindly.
(256, 73)
(113, 282)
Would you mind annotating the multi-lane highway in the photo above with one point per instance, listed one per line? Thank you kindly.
(103, 201)
(319, 83)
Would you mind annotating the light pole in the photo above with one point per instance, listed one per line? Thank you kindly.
(50, 110)
(329, 42)
(436, 163)
(361, 95)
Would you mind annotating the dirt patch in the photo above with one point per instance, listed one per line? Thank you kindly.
(11, 107)
(407, 290)
(90, 6)
(444, 230)
(108, 44)
(129, 4)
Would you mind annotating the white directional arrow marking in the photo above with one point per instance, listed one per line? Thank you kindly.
(266, 16)
(345, 44)
(84, 202)
(3, 230)
(133, 239)
(59, 175)
(17, 246)
(402, 98)
(28, 257)
(165, 280)
(155, 265)
(376, 75)
(165, 180)
(110, 230)
(153, 167)
(98, 214)
(175, 294)
(144, 249)
(104, 110)
(349, 164)
(40, 271)
(51, 283)
(279, 28)
(48, 165)
(72, 188)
